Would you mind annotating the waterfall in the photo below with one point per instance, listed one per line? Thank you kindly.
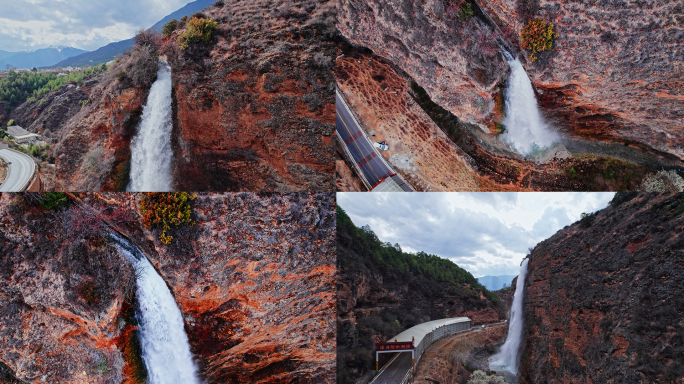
(151, 147)
(507, 358)
(526, 131)
(165, 348)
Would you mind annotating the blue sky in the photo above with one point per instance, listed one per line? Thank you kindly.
(86, 24)
(485, 233)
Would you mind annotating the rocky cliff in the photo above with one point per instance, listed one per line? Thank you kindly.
(255, 111)
(253, 279)
(603, 297)
(379, 295)
(616, 69)
(455, 60)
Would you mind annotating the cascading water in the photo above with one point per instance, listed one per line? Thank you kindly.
(526, 131)
(507, 358)
(165, 348)
(151, 147)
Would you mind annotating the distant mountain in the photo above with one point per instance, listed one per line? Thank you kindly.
(5, 54)
(45, 57)
(111, 51)
(494, 283)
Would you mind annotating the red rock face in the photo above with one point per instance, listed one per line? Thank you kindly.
(602, 300)
(255, 282)
(615, 72)
(255, 111)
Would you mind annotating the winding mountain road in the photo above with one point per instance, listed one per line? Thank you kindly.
(20, 172)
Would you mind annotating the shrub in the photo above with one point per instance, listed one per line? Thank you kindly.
(587, 219)
(663, 181)
(219, 4)
(169, 28)
(53, 200)
(537, 36)
(146, 38)
(200, 31)
(79, 222)
(166, 210)
(480, 377)
(121, 76)
(465, 11)
(10, 123)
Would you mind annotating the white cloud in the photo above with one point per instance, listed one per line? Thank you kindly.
(35, 24)
(485, 233)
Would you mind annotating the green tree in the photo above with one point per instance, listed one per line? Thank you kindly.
(169, 28)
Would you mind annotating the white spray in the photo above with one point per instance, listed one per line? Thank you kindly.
(507, 358)
(165, 347)
(526, 131)
(151, 147)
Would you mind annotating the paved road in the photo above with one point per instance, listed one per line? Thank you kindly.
(373, 167)
(396, 371)
(20, 171)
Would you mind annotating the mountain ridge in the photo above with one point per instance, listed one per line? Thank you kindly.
(494, 283)
(39, 58)
(113, 50)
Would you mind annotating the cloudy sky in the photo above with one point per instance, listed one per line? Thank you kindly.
(86, 24)
(485, 233)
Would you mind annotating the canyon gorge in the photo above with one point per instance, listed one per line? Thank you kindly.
(430, 80)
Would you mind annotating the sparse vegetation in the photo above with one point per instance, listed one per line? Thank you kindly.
(537, 36)
(199, 31)
(166, 210)
(622, 197)
(481, 377)
(146, 38)
(458, 8)
(88, 292)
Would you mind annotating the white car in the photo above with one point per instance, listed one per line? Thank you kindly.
(381, 145)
